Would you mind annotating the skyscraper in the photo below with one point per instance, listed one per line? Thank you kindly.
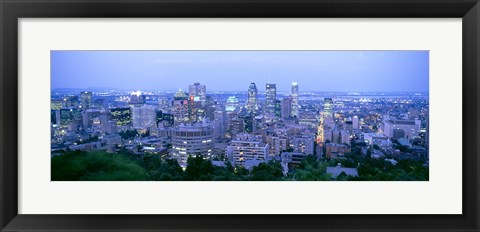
(180, 107)
(286, 107)
(328, 107)
(220, 123)
(232, 104)
(295, 106)
(270, 98)
(198, 91)
(144, 117)
(252, 98)
(137, 98)
(355, 122)
(86, 100)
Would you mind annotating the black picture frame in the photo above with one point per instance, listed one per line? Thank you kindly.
(12, 10)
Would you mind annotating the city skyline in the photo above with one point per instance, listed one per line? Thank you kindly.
(320, 71)
(368, 121)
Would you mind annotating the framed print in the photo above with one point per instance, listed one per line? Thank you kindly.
(257, 115)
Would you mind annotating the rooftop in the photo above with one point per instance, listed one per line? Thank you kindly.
(336, 171)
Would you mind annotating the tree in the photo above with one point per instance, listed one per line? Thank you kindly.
(311, 170)
(271, 171)
(198, 168)
(95, 166)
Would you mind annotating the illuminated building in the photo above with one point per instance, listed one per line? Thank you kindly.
(277, 145)
(56, 104)
(137, 98)
(144, 117)
(252, 98)
(235, 124)
(192, 110)
(295, 103)
(192, 140)
(355, 124)
(411, 128)
(327, 107)
(122, 116)
(180, 107)
(232, 104)
(247, 147)
(303, 143)
(335, 149)
(270, 98)
(198, 91)
(86, 100)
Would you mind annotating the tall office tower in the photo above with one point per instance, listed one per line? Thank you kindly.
(270, 98)
(232, 104)
(198, 91)
(295, 106)
(192, 140)
(252, 98)
(235, 124)
(137, 98)
(327, 107)
(86, 100)
(355, 124)
(192, 110)
(219, 123)
(180, 108)
(144, 117)
(286, 107)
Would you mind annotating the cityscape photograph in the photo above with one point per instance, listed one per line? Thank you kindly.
(239, 115)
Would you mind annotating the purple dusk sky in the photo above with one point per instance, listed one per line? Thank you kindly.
(402, 71)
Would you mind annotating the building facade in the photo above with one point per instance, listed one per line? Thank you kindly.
(295, 104)
(192, 140)
(247, 147)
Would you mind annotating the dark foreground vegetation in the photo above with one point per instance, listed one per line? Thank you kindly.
(126, 166)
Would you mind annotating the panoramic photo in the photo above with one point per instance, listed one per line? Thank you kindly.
(239, 115)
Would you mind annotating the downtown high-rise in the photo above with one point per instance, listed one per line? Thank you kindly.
(198, 92)
(295, 106)
(252, 99)
(86, 100)
(270, 98)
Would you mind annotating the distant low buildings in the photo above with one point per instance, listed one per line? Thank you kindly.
(407, 129)
(335, 149)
